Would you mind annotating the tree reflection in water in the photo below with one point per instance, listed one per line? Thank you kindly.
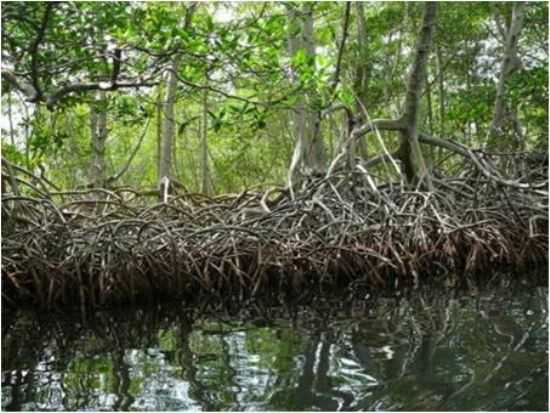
(427, 350)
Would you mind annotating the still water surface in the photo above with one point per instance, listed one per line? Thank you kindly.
(428, 350)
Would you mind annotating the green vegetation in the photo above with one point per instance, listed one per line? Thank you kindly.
(251, 80)
(234, 149)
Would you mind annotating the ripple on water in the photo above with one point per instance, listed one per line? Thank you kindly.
(432, 350)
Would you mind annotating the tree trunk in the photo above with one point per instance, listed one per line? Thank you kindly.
(309, 155)
(429, 104)
(430, 115)
(168, 121)
(168, 127)
(441, 84)
(175, 164)
(159, 128)
(27, 130)
(361, 76)
(205, 171)
(10, 119)
(409, 152)
(510, 63)
(299, 116)
(98, 129)
(314, 156)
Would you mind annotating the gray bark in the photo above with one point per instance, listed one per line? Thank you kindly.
(361, 77)
(441, 84)
(98, 129)
(10, 119)
(27, 130)
(168, 121)
(429, 103)
(410, 152)
(205, 170)
(299, 115)
(510, 63)
(168, 127)
(430, 114)
(314, 156)
(309, 152)
(159, 129)
(363, 67)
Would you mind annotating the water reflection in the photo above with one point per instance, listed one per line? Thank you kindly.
(427, 351)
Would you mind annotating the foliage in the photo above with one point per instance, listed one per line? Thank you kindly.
(60, 54)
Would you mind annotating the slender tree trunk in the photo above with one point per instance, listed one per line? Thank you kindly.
(429, 103)
(10, 119)
(314, 156)
(468, 93)
(206, 186)
(362, 64)
(509, 64)
(518, 130)
(441, 83)
(299, 115)
(361, 75)
(409, 152)
(168, 124)
(27, 135)
(159, 128)
(194, 160)
(175, 166)
(309, 152)
(430, 115)
(98, 128)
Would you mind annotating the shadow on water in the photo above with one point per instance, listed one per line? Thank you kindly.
(430, 349)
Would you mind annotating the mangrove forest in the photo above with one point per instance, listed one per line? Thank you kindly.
(274, 205)
(235, 150)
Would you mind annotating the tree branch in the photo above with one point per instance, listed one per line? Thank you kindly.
(235, 97)
(52, 99)
(59, 94)
(336, 78)
(476, 160)
(114, 178)
(24, 88)
(380, 124)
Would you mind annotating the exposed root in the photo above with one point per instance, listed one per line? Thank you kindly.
(120, 247)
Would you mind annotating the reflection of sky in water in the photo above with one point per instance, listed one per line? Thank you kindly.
(483, 351)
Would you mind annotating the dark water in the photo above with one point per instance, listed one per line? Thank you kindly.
(429, 350)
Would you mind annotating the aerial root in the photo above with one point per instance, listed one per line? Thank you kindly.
(118, 247)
